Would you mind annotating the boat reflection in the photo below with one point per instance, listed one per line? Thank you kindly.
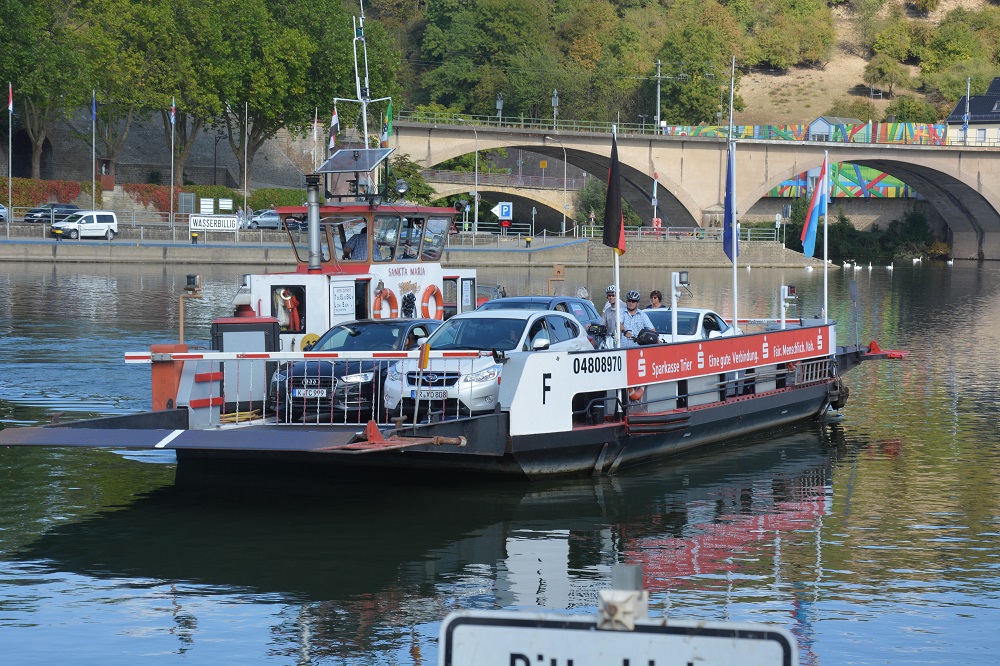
(367, 566)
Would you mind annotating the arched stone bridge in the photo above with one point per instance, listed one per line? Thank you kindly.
(961, 182)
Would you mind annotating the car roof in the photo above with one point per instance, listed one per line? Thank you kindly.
(509, 314)
(533, 299)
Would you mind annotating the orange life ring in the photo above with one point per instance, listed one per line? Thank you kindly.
(425, 303)
(635, 393)
(390, 298)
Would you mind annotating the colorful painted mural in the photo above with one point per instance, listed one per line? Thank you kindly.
(908, 133)
(848, 180)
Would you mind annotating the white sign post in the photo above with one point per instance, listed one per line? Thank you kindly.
(484, 638)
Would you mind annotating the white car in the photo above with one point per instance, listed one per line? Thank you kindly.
(692, 324)
(468, 386)
(87, 224)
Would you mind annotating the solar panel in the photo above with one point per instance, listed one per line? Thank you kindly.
(351, 160)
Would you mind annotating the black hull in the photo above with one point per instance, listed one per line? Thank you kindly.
(587, 450)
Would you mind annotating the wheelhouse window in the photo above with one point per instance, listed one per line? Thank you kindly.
(435, 232)
(384, 238)
(408, 243)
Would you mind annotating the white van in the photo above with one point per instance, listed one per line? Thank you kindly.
(87, 224)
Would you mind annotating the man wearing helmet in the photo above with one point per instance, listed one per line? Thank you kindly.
(633, 320)
(611, 310)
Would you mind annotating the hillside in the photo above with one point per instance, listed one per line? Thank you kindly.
(800, 95)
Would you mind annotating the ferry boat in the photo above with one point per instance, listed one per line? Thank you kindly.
(557, 412)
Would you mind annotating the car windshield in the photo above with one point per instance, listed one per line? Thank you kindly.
(75, 217)
(477, 333)
(687, 322)
(361, 337)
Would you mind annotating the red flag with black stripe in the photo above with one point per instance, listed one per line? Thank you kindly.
(614, 219)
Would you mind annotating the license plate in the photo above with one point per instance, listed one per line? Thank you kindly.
(309, 393)
(429, 395)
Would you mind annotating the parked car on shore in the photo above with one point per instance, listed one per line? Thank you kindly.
(87, 224)
(50, 212)
(343, 391)
(265, 219)
(469, 386)
(3, 214)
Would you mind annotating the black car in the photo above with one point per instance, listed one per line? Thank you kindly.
(343, 391)
(581, 308)
(51, 212)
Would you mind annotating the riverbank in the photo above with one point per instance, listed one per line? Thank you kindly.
(271, 248)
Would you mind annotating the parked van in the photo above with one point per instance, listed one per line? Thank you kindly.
(87, 224)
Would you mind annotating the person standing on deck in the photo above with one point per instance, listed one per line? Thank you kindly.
(655, 300)
(611, 311)
(633, 320)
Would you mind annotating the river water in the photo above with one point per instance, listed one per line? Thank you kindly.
(873, 539)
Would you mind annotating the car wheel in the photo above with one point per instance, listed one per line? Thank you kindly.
(74, 234)
(253, 225)
(110, 235)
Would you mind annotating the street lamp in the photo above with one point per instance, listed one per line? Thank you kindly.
(642, 118)
(555, 107)
(475, 192)
(564, 182)
(499, 109)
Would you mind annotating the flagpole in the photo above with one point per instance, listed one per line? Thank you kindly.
(10, 161)
(826, 218)
(173, 103)
(315, 136)
(246, 140)
(93, 148)
(735, 226)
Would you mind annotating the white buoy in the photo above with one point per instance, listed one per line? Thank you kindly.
(809, 268)
(889, 267)
(869, 265)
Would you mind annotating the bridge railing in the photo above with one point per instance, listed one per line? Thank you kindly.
(886, 133)
(666, 233)
(503, 179)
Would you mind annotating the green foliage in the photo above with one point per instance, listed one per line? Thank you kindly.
(883, 71)
(909, 109)
(948, 85)
(267, 197)
(909, 237)
(861, 108)
(592, 197)
(403, 167)
(893, 38)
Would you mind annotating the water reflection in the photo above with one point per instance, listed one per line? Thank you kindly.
(874, 540)
(371, 566)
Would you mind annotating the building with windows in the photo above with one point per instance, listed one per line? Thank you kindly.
(983, 121)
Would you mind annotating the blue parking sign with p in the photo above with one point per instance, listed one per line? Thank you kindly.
(506, 210)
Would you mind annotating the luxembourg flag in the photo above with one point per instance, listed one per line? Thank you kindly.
(817, 207)
(173, 111)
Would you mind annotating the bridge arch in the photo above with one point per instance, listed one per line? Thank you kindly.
(959, 182)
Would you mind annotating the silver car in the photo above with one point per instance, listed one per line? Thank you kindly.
(692, 324)
(467, 386)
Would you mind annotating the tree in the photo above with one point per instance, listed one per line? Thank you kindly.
(181, 72)
(860, 108)
(403, 167)
(884, 71)
(908, 109)
(114, 41)
(52, 84)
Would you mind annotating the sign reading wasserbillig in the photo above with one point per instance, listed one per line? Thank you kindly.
(226, 223)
